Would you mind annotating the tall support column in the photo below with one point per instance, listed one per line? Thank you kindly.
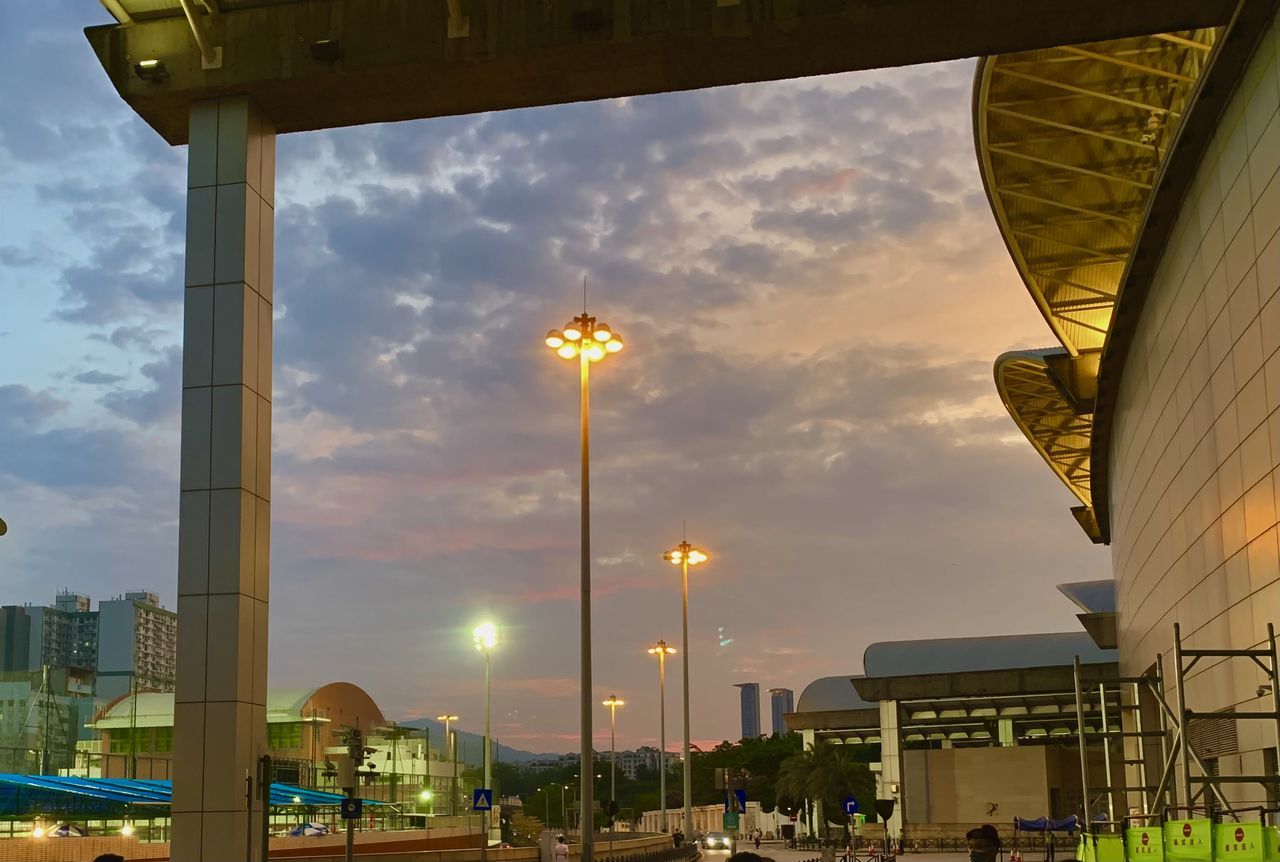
(224, 516)
(891, 763)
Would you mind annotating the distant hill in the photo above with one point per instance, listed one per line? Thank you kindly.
(471, 745)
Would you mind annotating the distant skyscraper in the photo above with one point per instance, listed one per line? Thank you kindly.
(782, 701)
(750, 709)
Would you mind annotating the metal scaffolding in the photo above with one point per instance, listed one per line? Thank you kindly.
(1106, 700)
(1197, 788)
(1110, 700)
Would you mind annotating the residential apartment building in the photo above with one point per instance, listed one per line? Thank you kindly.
(137, 640)
(129, 637)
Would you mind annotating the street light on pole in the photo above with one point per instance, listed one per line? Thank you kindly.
(588, 340)
(685, 555)
(661, 650)
(613, 703)
(451, 746)
(485, 638)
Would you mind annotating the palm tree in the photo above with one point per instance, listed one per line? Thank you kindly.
(824, 773)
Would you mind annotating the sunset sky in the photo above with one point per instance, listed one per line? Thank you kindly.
(812, 288)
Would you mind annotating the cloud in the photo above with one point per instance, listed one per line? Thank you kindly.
(811, 288)
(97, 378)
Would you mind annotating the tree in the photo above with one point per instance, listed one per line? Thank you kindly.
(828, 773)
(525, 827)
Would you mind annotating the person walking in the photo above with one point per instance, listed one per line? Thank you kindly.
(561, 850)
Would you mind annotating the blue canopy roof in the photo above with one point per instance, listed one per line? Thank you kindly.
(22, 795)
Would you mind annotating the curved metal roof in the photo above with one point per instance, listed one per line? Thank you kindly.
(1071, 142)
(830, 693)
(1035, 400)
(961, 655)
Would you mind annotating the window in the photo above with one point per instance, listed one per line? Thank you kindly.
(164, 740)
(284, 735)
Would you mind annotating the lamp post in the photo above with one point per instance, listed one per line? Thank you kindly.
(613, 703)
(451, 747)
(661, 650)
(588, 340)
(685, 555)
(485, 638)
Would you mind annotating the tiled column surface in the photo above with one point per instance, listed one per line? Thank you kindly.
(891, 762)
(225, 514)
(1196, 442)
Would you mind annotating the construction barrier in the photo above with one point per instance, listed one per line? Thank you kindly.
(1188, 841)
(1143, 844)
(1194, 840)
(1238, 842)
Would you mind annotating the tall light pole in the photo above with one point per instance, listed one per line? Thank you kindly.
(613, 703)
(485, 638)
(452, 747)
(587, 340)
(685, 555)
(661, 650)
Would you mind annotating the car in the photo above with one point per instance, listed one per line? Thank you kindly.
(716, 841)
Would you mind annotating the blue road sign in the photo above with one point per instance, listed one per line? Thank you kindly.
(737, 803)
(351, 808)
(850, 805)
(482, 799)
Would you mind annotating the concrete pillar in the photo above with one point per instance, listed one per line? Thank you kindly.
(225, 515)
(891, 762)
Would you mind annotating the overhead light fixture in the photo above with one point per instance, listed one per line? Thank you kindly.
(326, 51)
(151, 70)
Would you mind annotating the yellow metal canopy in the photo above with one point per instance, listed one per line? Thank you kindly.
(1031, 393)
(1071, 142)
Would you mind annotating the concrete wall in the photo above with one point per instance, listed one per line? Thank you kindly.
(1197, 429)
(959, 785)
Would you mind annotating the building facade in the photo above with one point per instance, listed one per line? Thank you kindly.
(970, 730)
(129, 641)
(781, 702)
(137, 645)
(1161, 410)
(43, 714)
(749, 695)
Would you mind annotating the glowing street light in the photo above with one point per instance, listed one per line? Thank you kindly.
(485, 638)
(588, 340)
(685, 555)
(451, 745)
(661, 650)
(613, 703)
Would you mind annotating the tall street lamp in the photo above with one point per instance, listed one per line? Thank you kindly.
(588, 340)
(685, 555)
(485, 638)
(613, 703)
(661, 650)
(452, 747)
